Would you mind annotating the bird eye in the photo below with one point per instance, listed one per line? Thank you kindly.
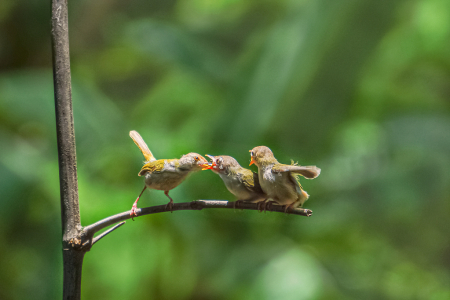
(251, 153)
(196, 158)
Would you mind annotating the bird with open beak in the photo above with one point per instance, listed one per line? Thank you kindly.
(280, 182)
(165, 174)
(241, 182)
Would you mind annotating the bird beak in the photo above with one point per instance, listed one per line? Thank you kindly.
(252, 161)
(210, 165)
(207, 166)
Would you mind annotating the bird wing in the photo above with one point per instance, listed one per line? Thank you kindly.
(250, 181)
(309, 172)
(139, 141)
(157, 166)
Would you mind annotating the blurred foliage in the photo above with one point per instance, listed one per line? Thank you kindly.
(359, 88)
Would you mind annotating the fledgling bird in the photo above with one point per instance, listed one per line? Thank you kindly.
(165, 174)
(241, 182)
(279, 181)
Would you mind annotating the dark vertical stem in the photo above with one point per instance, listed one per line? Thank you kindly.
(70, 213)
(73, 264)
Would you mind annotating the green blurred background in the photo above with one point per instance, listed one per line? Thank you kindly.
(359, 88)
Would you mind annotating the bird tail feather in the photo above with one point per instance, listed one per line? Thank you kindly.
(139, 141)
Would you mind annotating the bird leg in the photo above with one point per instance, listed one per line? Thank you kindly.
(134, 207)
(169, 205)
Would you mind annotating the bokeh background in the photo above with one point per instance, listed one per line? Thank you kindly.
(358, 88)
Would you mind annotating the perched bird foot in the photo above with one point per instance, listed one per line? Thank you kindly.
(169, 206)
(133, 211)
(236, 204)
(262, 205)
(268, 205)
(134, 207)
(288, 208)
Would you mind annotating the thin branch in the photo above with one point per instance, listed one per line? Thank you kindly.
(90, 230)
(103, 234)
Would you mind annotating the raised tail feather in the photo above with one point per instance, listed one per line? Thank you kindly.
(137, 139)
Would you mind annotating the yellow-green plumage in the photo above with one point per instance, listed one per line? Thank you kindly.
(165, 174)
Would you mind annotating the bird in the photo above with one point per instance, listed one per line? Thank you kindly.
(165, 174)
(279, 181)
(241, 182)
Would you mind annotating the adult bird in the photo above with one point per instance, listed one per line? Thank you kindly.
(165, 174)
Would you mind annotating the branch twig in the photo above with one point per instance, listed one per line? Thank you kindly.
(103, 234)
(90, 230)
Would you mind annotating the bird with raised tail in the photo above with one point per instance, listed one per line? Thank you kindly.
(241, 182)
(280, 182)
(165, 174)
